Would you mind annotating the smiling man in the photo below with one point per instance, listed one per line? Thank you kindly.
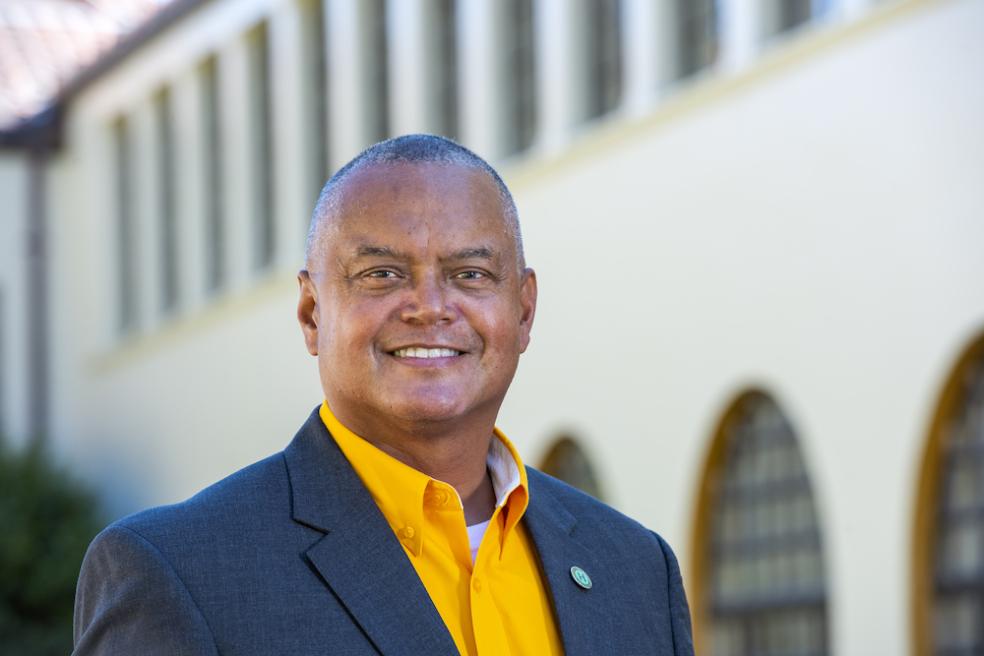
(399, 520)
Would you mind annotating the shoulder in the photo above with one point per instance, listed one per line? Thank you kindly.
(229, 505)
(592, 516)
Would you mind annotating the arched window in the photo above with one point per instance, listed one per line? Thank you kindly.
(758, 559)
(949, 548)
(567, 461)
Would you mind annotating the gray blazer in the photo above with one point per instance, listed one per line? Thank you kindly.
(292, 556)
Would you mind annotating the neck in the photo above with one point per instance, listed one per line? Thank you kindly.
(455, 455)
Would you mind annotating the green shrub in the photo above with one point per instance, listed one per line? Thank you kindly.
(47, 520)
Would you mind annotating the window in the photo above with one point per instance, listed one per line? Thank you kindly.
(376, 54)
(784, 15)
(215, 265)
(126, 259)
(518, 49)
(696, 34)
(263, 166)
(958, 553)
(163, 119)
(567, 461)
(761, 569)
(445, 42)
(602, 47)
(316, 88)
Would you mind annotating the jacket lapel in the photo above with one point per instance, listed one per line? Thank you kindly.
(359, 558)
(580, 613)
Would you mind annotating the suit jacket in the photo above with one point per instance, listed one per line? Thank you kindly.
(291, 555)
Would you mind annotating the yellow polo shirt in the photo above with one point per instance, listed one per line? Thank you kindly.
(497, 605)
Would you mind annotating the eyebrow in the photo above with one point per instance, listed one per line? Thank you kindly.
(379, 251)
(480, 252)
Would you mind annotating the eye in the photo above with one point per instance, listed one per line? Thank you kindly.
(382, 274)
(471, 274)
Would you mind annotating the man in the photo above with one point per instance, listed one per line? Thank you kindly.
(399, 520)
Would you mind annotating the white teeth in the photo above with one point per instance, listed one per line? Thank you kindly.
(418, 352)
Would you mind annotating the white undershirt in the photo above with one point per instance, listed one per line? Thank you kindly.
(504, 474)
(475, 534)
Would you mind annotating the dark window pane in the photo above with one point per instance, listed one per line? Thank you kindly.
(316, 84)
(126, 269)
(520, 82)
(697, 35)
(603, 48)
(446, 57)
(767, 589)
(261, 107)
(215, 264)
(376, 52)
(166, 200)
(568, 462)
(958, 571)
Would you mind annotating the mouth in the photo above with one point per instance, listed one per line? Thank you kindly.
(425, 353)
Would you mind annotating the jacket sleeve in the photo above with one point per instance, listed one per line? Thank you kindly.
(130, 600)
(683, 644)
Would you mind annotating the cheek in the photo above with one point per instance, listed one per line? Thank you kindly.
(349, 332)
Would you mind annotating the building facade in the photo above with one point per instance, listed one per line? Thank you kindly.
(757, 231)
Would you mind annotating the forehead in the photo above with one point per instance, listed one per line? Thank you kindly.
(412, 198)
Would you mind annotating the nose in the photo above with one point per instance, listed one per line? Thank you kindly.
(428, 303)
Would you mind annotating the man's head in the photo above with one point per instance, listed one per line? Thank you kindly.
(415, 297)
(407, 148)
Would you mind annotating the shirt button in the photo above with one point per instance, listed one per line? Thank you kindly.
(407, 532)
(437, 498)
(477, 584)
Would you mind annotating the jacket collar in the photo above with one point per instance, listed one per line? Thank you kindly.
(581, 615)
(362, 561)
(358, 556)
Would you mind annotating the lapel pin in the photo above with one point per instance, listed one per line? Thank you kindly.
(581, 577)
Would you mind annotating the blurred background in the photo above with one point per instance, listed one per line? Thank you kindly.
(758, 227)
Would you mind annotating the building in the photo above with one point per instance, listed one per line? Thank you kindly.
(757, 228)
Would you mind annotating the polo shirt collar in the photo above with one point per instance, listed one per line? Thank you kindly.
(402, 492)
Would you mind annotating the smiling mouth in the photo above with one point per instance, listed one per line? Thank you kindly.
(423, 353)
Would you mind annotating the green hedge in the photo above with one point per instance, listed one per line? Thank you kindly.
(47, 519)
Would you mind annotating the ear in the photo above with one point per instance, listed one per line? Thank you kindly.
(527, 300)
(307, 311)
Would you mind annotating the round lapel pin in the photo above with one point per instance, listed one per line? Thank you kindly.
(581, 577)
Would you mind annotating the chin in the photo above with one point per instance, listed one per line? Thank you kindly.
(429, 408)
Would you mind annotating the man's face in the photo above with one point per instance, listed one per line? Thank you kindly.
(416, 305)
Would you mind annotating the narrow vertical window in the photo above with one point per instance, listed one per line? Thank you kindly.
(166, 200)
(261, 111)
(376, 54)
(520, 83)
(602, 48)
(316, 86)
(446, 67)
(696, 35)
(215, 265)
(125, 228)
(785, 15)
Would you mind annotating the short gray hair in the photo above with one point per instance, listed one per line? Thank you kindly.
(410, 148)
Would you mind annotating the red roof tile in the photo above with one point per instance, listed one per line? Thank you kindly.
(46, 43)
